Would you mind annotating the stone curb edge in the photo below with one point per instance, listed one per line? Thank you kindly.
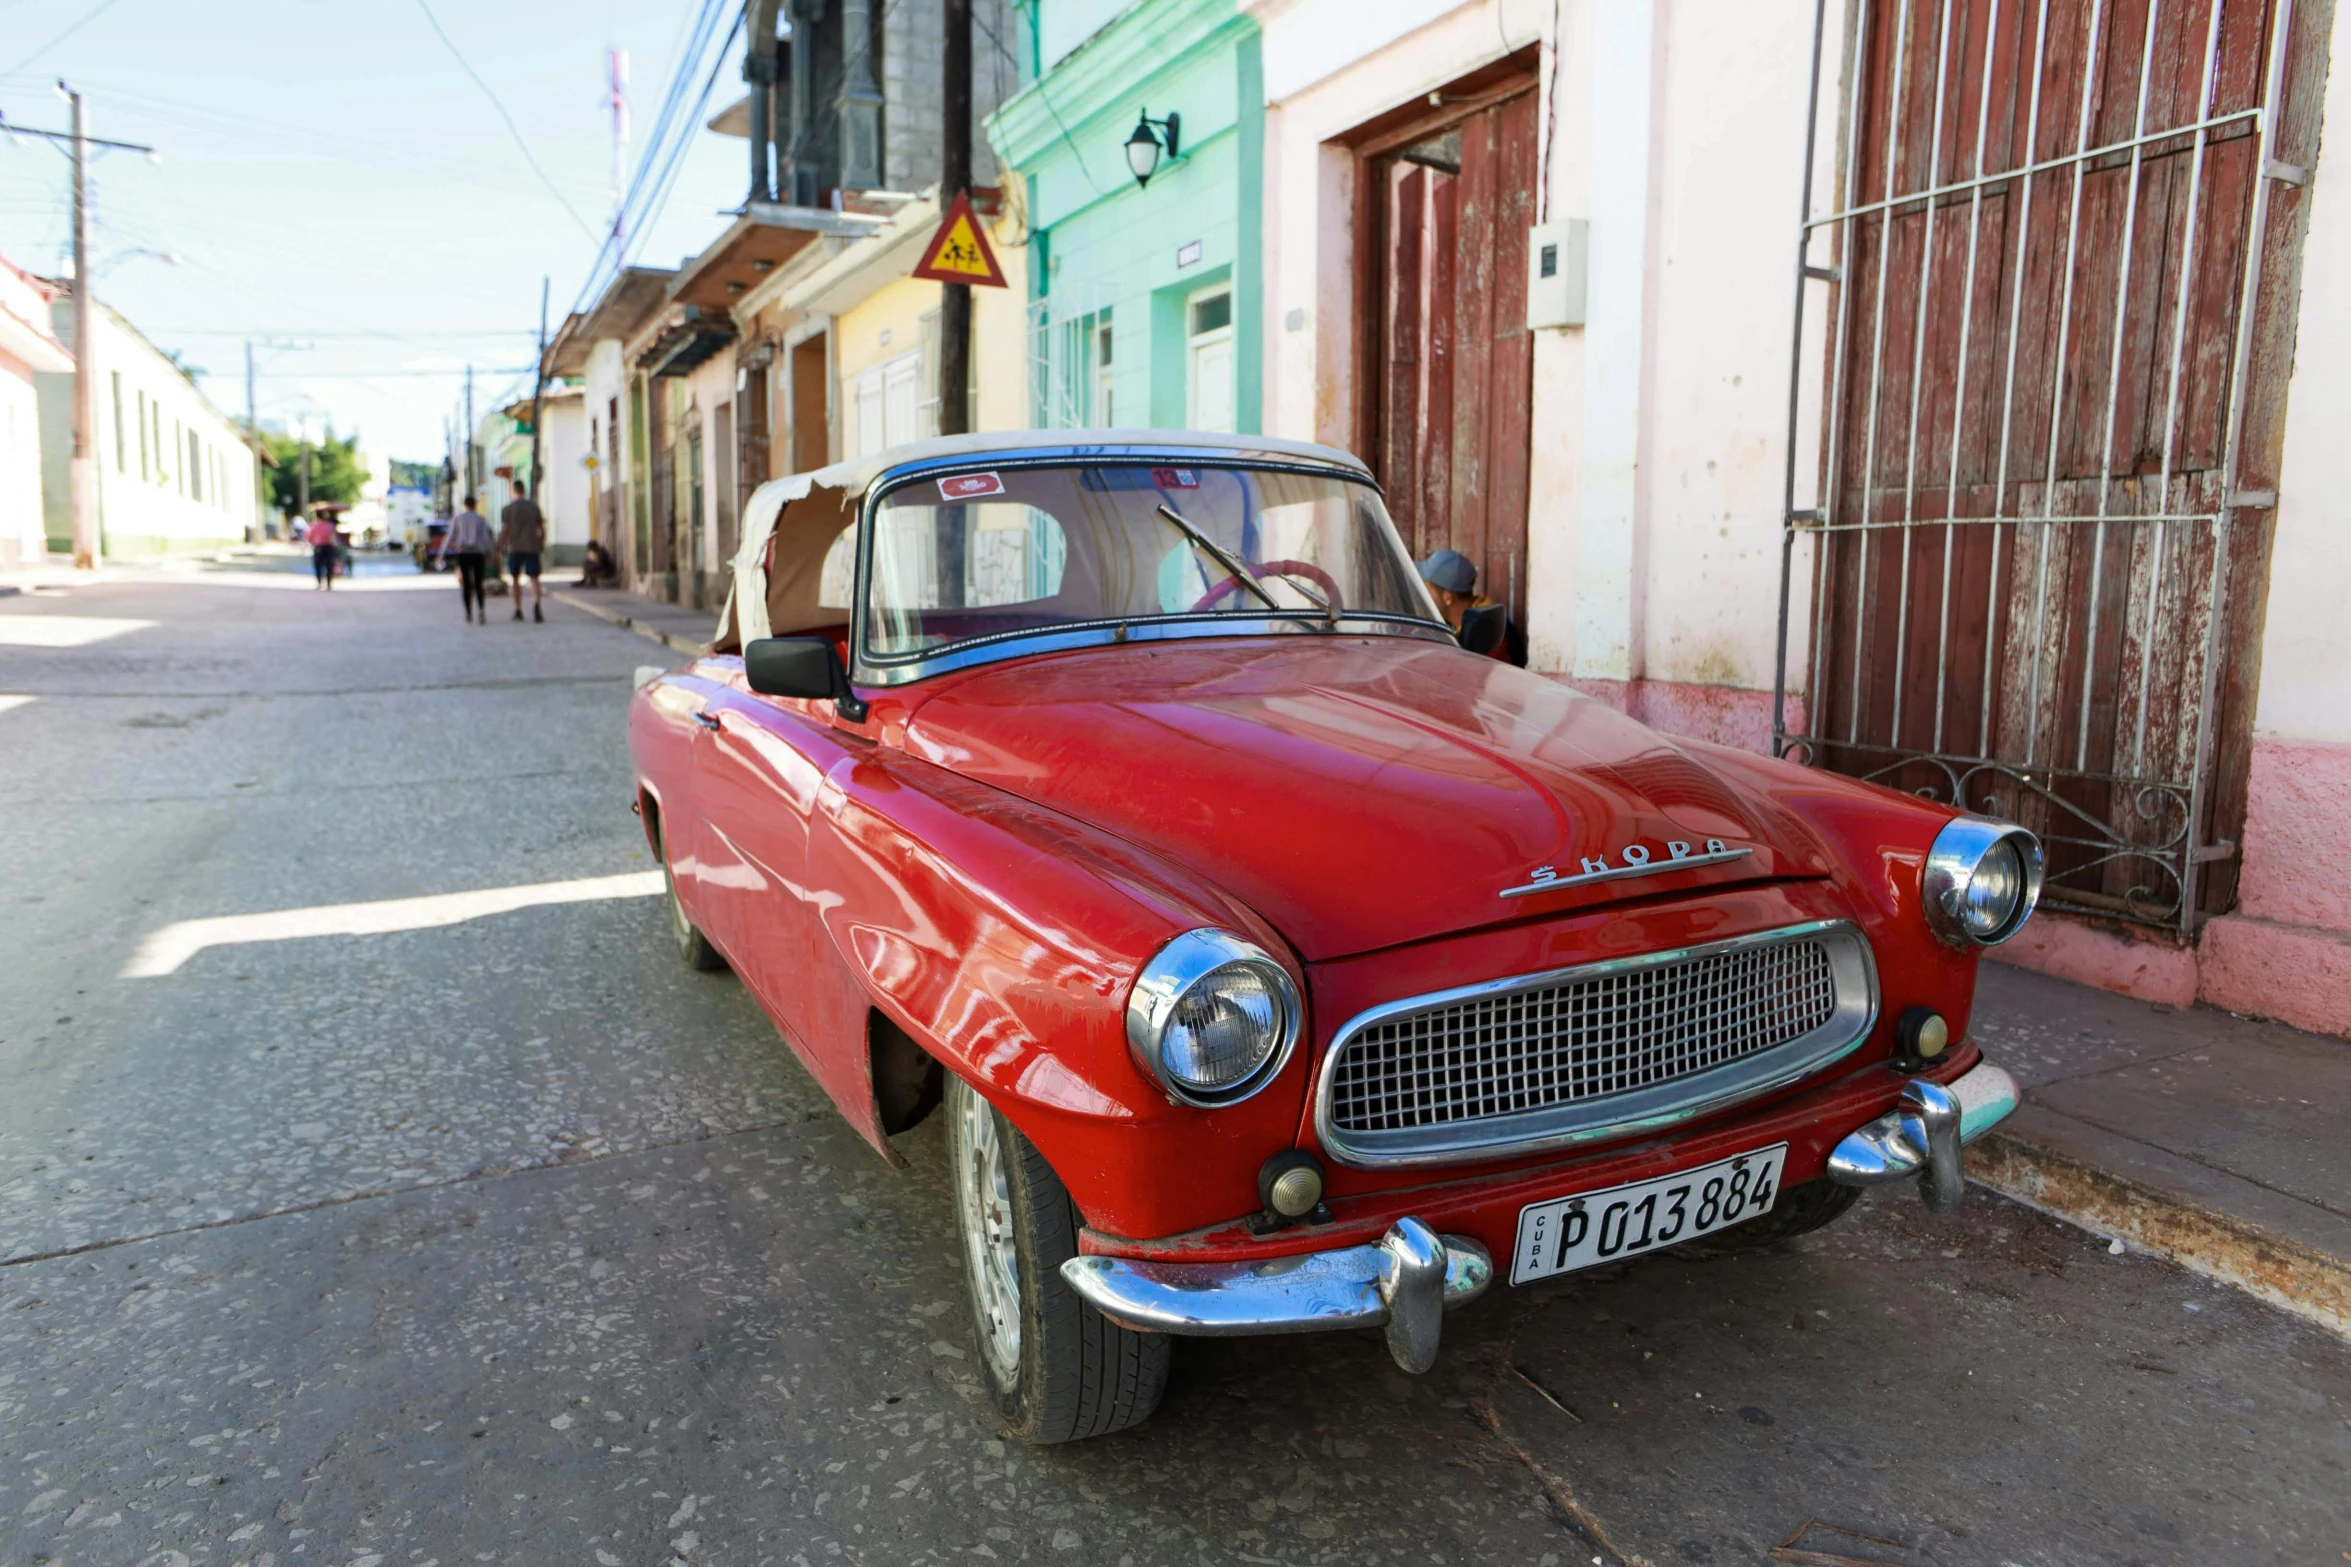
(2286, 1273)
(675, 644)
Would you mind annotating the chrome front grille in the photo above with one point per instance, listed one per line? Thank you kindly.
(1589, 1051)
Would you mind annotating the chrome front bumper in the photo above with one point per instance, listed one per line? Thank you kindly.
(1408, 1281)
(1923, 1136)
(1405, 1283)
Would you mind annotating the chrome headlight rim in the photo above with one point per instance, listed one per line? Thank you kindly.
(1959, 852)
(1177, 969)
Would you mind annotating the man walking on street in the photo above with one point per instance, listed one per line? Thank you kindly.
(522, 533)
(469, 540)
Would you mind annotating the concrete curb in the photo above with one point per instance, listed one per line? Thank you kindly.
(626, 622)
(2305, 1281)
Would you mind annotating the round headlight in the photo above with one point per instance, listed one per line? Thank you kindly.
(1212, 1018)
(1982, 879)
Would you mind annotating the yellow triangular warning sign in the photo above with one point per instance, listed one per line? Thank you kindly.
(959, 252)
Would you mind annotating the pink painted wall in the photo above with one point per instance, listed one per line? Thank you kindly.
(1723, 715)
(2298, 834)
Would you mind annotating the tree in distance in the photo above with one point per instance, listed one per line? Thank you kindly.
(337, 471)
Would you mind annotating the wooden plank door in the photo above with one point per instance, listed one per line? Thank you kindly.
(1446, 419)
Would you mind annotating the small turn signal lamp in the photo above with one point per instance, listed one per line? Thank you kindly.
(1290, 1184)
(1921, 1036)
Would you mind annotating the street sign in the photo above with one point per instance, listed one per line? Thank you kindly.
(959, 252)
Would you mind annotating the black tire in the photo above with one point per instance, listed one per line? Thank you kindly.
(694, 948)
(1077, 1373)
(1800, 1211)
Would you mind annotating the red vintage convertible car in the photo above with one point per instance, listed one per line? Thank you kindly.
(1280, 965)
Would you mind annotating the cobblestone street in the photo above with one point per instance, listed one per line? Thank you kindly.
(513, 1240)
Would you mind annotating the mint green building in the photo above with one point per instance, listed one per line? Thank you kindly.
(1148, 298)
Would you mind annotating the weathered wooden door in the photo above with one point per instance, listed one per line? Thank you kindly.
(1446, 419)
(2058, 273)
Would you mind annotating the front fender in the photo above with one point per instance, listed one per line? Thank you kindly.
(1003, 937)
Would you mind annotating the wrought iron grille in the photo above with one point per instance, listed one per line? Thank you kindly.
(2015, 578)
(1581, 1039)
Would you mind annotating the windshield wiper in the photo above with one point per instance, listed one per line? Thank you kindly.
(1217, 552)
(1330, 611)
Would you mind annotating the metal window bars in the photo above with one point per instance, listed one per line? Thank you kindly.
(2010, 590)
(1066, 366)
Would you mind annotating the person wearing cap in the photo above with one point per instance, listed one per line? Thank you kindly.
(1481, 625)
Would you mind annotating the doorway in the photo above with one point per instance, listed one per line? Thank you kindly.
(1445, 377)
(1208, 360)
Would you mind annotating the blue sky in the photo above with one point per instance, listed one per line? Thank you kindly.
(340, 192)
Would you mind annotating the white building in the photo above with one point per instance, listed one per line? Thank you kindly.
(566, 482)
(29, 348)
(2078, 574)
(174, 473)
(407, 510)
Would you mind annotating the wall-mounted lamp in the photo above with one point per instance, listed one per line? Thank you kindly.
(1151, 139)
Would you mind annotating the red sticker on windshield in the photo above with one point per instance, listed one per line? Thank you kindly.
(965, 486)
(1176, 478)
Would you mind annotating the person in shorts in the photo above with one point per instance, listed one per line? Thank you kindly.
(468, 542)
(522, 534)
(324, 553)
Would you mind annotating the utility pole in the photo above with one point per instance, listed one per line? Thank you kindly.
(84, 475)
(473, 483)
(954, 180)
(254, 529)
(539, 391)
(617, 67)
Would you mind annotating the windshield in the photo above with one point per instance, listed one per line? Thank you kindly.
(1020, 549)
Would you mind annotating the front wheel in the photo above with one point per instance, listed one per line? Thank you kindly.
(1056, 1370)
(694, 948)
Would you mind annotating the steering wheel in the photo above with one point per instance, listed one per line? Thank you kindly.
(1273, 568)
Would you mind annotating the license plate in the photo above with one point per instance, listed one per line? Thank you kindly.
(1568, 1233)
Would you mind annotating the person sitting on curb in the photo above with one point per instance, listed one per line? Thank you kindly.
(1480, 624)
(596, 569)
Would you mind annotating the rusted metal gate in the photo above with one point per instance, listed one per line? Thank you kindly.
(1446, 406)
(2055, 290)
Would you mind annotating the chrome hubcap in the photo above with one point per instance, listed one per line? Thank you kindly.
(983, 1201)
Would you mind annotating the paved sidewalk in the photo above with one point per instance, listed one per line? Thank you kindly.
(2209, 1138)
(674, 626)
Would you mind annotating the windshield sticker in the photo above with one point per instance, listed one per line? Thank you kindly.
(1176, 478)
(967, 486)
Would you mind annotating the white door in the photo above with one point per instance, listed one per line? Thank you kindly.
(1208, 380)
(871, 436)
(902, 398)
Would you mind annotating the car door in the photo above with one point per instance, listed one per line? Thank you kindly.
(759, 795)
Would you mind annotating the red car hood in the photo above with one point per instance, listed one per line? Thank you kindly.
(1359, 793)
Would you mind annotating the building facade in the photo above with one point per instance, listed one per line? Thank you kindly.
(1954, 424)
(175, 474)
(29, 348)
(1147, 301)
(702, 383)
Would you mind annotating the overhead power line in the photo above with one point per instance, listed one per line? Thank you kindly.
(511, 128)
(87, 17)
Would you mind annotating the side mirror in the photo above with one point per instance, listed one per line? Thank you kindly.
(807, 667)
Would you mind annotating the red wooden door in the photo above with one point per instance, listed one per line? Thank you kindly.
(1448, 418)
